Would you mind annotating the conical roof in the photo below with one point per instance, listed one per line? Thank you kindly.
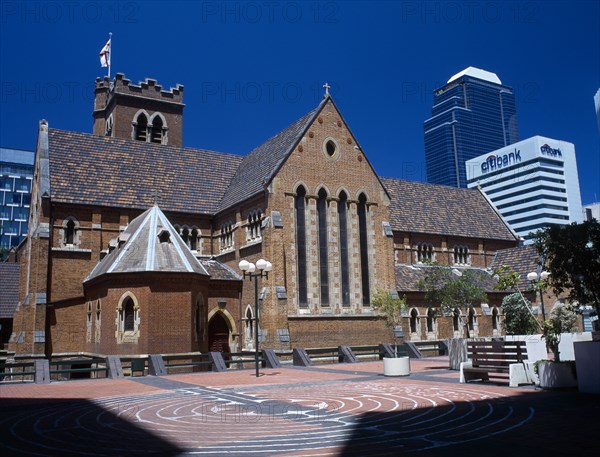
(149, 244)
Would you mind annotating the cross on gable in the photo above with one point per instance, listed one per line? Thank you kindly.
(327, 87)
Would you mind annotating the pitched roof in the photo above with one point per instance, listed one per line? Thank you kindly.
(10, 276)
(260, 165)
(96, 170)
(522, 259)
(218, 270)
(408, 277)
(443, 210)
(149, 243)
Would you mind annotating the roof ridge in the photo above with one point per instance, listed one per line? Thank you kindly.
(253, 173)
(445, 186)
(137, 142)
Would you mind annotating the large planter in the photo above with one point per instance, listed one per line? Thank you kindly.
(457, 352)
(587, 362)
(556, 375)
(396, 366)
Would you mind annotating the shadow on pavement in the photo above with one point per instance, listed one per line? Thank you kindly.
(531, 423)
(53, 427)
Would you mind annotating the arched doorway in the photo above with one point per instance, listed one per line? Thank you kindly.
(218, 334)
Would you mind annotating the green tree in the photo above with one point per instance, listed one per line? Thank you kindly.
(563, 319)
(518, 317)
(572, 256)
(514, 317)
(450, 288)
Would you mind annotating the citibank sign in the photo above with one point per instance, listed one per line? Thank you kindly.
(495, 162)
(547, 150)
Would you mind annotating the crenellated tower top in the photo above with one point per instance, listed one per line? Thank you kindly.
(142, 112)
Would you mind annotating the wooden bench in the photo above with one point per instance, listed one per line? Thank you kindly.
(491, 358)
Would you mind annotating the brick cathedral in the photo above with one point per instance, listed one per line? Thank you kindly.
(134, 240)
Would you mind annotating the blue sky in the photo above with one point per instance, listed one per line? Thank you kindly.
(251, 68)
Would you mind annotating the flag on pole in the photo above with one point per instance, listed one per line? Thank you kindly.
(105, 54)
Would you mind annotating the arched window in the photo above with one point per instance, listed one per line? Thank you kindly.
(129, 315)
(185, 236)
(164, 236)
(364, 249)
(128, 321)
(249, 328)
(471, 319)
(430, 320)
(456, 320)
(323, 251)
(109, 126)
(89, 322)
(461, 255)
(98, 322)
(199, 319)
(343, 224)
(194, 238)
(300, 209)
(253, 226)
(141, 127)
(70, 232)
(495, 320)
(226, 236)
(414, 321)
(472, 322)
(425, 252)
(156, 135)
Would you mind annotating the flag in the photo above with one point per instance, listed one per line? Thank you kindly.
(105, 54)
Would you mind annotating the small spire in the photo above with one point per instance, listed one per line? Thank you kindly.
(327, 87)
(155, 196)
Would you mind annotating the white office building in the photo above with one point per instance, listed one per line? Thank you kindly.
(591, 211)
(533, 183)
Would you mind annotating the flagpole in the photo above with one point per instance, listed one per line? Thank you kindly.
(110, 53)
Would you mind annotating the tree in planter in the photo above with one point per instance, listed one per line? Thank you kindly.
(390, 309)
(516, 306)
(572, 256)
(563, 319)
(447, 289)
(518, 318)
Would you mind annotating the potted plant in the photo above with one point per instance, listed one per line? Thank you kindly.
(390, 309)
(555, 373)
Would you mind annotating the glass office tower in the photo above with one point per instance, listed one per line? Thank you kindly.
(473, 114)
(16, 175)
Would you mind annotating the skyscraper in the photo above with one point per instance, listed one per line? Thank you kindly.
(473, 114)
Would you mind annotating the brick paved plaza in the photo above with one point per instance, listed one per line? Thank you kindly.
(325, 410)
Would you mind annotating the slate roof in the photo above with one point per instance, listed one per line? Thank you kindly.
(408, 276)
(97, 170)
(10, 275)
(218, 270)
(141, 249)
(442, 210)
(260, 165)
(522, 259)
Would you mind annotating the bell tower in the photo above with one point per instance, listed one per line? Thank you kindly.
(142, 112)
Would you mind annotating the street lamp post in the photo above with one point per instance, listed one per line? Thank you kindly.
(250, 271)
(535, 278)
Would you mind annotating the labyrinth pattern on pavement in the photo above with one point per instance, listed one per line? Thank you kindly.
(372, 417)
